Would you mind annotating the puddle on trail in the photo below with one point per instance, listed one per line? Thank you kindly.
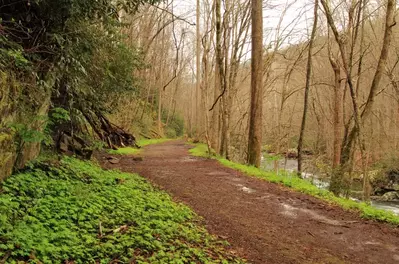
(372, 243)
(245, 189)
(294, 212)
(234, 180)
(266, 197)
(187, 159)
(291, 211)
(218, 173)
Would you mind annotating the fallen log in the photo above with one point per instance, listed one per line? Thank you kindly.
(113, 135)
(67, 132)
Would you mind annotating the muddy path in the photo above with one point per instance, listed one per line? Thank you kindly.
(264, 222)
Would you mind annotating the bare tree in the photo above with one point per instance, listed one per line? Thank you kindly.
(307, 86)
(356, 134)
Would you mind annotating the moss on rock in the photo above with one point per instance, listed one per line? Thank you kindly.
(17, 107)
(7, 154)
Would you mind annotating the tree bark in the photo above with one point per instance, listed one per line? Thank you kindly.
(339, 86)
(199, 122)
(255, 118)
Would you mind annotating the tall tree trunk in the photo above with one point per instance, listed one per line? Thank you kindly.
(307, 87)
(339, 86)
(218, 92)
(255, 118)
(199, 122)
(160, 87)
(204, 93)
(221, 80)
(215, 112)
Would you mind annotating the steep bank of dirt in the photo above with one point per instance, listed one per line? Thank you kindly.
(264, 222)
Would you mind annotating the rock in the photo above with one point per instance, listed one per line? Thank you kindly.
(19, 107)
(373, 175)
(63, 147)
(113, 160)
(307, 152)
(7, 154)
(72, 144)
(292, 153)
(380, 191)
(390, 196)
(393, 176)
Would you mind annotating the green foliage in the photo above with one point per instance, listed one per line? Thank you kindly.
(144, 123)
(200, 150)
(11, 55)
(170, 133)
(267, 148)
(388, 165)
(97, 145)
(304, 186)
(141, 142)
(125, 151)
(272, 157)
(73, 211)
(175, 124)
(144, 142)
(26, 134)
(96, 69)
(58, 115)
(73, 51)
(108, 69)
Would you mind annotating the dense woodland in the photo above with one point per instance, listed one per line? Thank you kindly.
(81, 75)
(285, 116)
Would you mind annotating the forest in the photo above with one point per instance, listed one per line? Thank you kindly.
(300, 94)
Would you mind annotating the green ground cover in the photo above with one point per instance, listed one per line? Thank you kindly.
(141, 143)
(71, 211)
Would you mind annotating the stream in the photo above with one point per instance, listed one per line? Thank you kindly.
(312, 175)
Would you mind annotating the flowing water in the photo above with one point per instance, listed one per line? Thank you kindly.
(314, 176)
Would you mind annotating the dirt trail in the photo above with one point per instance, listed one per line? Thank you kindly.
(264, 222)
